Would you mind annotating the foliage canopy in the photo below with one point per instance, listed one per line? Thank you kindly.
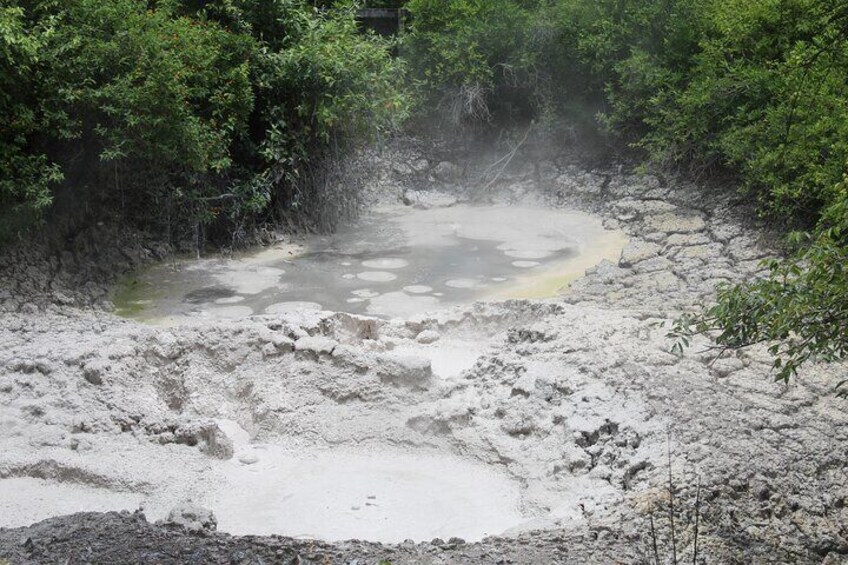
(179, 112)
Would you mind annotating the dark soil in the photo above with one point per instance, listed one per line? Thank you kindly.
(111, 538)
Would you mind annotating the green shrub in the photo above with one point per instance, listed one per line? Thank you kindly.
(473, 57)
(799, 310)
(767, 98)
(27, 175)
(178, 114)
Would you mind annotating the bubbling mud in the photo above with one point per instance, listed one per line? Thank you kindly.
(396, 261)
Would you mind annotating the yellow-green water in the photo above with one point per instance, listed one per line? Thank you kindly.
(396, 261)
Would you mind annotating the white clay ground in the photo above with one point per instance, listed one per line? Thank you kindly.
(474, 420)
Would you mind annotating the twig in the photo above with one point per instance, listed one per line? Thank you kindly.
(697, 520)
(654, 542)
(506, 160)
(217, 198)
(671, 502)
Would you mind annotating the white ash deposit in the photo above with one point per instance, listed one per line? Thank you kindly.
(542, 414)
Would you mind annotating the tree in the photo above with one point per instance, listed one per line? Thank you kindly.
(181, 114)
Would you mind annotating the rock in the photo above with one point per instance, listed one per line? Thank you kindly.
(426, 199)
(745, 249)
(282, 343)
(547, 170)
(351, 356)
(167, 346)
(29, 308)
(581, 183)
(207, 436)
(606, 272)
(612, 224)
(456, 541)
(519, 425)
(579, 461)
(675, 223)
(637, 251)
(248, 459)
(603, 472)
(63, 299)
(316, 345)
(405, 370)
(447, 171)
(28, 544)
(726, 366)
(190, 518)
(663, 281)
(700, 253)
(93, 371)
(643, 207)
(687, 240)
(524, 386)
(428, 336)
(725, 232)
(268, 350)
(655, 237)
(419, 165)
(401, 169)
(653, 265)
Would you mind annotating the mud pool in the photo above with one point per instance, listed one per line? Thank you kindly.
(395, 261)
(387, 495)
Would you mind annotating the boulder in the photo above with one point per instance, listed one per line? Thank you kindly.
(636, 252)
(190, 518)
(406, 370)
(675, 223)
(447, 171)
(428, 336)
(426, 199)
(317, 345)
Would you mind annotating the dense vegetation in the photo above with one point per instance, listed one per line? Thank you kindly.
(757, 89)
(179, 114)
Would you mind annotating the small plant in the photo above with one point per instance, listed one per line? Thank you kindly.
(799, 310)
(672, 527)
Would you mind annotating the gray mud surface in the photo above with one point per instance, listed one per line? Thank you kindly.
(575, 399)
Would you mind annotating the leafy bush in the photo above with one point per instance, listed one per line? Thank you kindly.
(472, 57)
(799, 310)
(766, 98)
(26, 175)
(338, 87)
(181, 113)
(759, 88)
